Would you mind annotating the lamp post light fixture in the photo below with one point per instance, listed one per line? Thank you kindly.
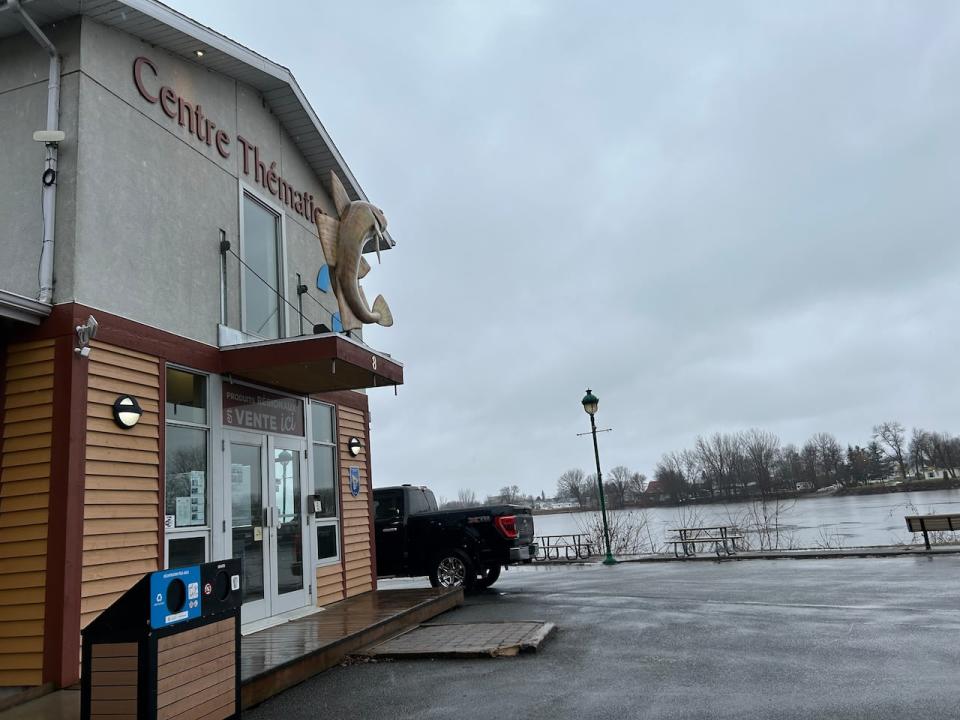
(354, 446)
(126, 411)
(590, 404)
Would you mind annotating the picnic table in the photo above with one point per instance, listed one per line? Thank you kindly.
(573, 547)
(722, 537)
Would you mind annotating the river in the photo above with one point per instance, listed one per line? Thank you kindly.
(808, 522)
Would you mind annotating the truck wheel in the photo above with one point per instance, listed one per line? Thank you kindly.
(488, 576)
(453, 569)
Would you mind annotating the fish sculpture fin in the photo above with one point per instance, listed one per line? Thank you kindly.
(380, 308)
(347, 317)
(339, 193)
(364, 268)
(327, 229)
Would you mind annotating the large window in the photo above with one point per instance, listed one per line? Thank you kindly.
(326, 498)
(186, 505)
(263, 310)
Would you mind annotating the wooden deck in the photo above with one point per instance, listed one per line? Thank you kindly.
(280, 657)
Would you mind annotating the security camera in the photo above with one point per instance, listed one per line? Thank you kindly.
(86, 333)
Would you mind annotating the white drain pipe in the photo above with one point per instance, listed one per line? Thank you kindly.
(49, 178)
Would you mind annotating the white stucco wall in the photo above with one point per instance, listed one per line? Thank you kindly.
(151, 197)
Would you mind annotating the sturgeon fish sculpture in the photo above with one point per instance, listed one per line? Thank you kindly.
(343, 240)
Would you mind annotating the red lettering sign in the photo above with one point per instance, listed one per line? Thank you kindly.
(189, 115)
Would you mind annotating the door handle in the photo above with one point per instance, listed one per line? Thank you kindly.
(386, 530)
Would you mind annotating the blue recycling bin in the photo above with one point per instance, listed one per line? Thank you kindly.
(168, 647)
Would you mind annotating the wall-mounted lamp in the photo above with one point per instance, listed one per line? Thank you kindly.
(354, 446)
(86, 333)
(126, 411)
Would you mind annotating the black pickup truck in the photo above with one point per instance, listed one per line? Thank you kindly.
(456, 548)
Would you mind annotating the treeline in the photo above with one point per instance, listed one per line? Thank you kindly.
(755, 463)
(508, 495)
(621, 487)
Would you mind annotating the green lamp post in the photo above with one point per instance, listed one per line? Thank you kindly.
(590, 404)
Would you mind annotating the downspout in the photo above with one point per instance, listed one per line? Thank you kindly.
(49, 178)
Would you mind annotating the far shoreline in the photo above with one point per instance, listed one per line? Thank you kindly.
(878, 489)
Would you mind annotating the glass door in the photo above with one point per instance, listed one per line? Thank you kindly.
(267, 522)
(288, 539)
(247, 465)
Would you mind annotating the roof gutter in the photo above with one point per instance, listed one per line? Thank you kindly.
(22, 309)
(49, 177)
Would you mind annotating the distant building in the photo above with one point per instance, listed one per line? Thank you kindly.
(654, 491)
(555, 504)
(933, 473)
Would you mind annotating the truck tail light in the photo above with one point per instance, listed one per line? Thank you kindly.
(507, 525)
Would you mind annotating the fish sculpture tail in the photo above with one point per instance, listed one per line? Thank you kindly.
(380, 308)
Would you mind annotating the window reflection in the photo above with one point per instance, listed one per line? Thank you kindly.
(261, 253)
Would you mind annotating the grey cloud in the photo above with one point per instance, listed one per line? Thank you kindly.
(717, 215)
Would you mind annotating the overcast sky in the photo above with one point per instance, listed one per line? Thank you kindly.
(716, 215)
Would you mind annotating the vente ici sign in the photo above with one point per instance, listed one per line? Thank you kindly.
(189, 114)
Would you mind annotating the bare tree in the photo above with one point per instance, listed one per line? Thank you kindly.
(629, 533)
(945, 451)
(810, 463)
(789, 469)
(761, 448)
(617, 481)
(573, 485)
(892, 437)
(670, 478)
(715, 458)
(467, 497)
(920, 452)
(829, 456)
(511, 495)
(636, 486)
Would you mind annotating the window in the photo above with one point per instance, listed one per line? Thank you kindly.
(186, 506)
(325, 481)
(262, 307)
(386, 506)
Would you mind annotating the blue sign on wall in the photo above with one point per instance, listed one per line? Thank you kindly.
(354, 481)
(171, 601)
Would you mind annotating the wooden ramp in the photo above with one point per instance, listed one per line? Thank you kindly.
(280, 657)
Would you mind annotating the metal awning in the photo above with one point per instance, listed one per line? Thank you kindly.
(311, 364)
(22, 309)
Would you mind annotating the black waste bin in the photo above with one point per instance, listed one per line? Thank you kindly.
(169, 647)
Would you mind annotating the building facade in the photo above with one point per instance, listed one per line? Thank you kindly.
(189, 292)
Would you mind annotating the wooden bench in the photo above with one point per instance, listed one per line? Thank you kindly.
(932, 523)
(723, 538)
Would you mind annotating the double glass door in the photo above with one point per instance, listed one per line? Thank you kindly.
(267, 521)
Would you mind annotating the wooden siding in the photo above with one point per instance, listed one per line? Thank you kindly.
(113, 681)
(121, 498)
(329, 584)
(355, 524)
(24, 505)
(196, 673)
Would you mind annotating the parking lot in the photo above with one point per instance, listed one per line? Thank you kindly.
(850, 638)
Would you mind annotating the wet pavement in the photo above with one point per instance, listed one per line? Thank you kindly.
(846, 638)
